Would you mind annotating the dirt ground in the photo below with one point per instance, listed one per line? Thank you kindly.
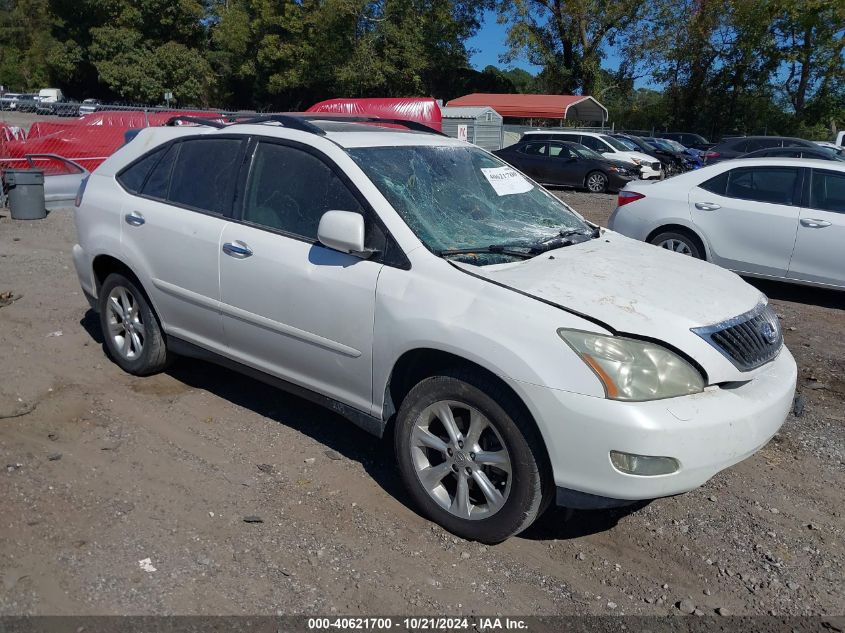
(101, 470)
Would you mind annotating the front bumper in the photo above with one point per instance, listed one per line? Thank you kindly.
(617, 181)
(649, 173)
(705, 432)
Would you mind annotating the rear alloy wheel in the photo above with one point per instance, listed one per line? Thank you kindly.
(679, 243)
(596, 182)
(131, 331)
(466, 461)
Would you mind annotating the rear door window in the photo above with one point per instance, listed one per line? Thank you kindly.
(775, 185)
(204, 174)
(560, 150)
(763, 143)
(534, 149)
(740, 145)
(827, 191)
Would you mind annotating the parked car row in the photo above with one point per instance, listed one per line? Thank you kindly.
(48, 101)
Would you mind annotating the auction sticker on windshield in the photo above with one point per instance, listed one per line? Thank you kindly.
(506, 180)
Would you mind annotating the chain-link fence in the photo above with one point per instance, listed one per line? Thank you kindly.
(57, 136)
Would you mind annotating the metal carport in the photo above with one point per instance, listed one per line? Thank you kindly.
(524, 106)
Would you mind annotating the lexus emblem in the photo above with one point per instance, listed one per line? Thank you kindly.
(769, 333)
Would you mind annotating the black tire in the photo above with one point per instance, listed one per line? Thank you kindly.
(530, 484)
(679, 243)
(596, 182)
(153, 357)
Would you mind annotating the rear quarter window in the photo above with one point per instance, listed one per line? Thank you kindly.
(717, 184)
(158, 180)
(132, 178)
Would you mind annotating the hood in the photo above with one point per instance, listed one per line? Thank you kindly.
(641, 156)
(618, 162)
(637, 289)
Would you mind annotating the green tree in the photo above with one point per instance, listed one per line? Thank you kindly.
(143, 48)
(30, 56)
(568, 38)
(291, 54)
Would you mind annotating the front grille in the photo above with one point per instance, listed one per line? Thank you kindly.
(655, 166)
(749, 340)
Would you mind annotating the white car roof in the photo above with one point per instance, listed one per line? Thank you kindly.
(343, 134)
(568, 132)
(770, 161)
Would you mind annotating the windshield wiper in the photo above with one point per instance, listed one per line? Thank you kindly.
(527, 251)
(496, 249)
(564, 238)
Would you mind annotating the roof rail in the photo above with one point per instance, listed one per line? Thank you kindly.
(287, 120)
(172, 121)
(415, 126)
(303, 121)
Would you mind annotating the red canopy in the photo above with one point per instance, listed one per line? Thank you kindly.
(522, 106)
(88, 140)
(421, 109)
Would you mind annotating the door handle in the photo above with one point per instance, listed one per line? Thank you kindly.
(814, 224)
(707, 206)
(237, 249)
(134, 218)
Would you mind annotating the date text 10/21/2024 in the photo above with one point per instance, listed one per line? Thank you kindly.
(418, 624)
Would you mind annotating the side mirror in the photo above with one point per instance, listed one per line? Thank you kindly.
(343, 231)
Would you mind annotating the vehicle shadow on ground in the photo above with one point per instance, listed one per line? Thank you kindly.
(565, 524)
(340, 435)
(782, 291)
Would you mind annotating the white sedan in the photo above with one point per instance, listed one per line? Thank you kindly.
(779, 218)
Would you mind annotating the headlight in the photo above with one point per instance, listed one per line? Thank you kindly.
(634, 370)
(637, 161)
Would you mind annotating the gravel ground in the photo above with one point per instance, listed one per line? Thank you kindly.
(102, 470)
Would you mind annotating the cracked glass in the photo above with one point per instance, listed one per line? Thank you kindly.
(445, 196)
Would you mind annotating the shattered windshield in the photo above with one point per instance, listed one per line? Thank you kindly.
(463, 198)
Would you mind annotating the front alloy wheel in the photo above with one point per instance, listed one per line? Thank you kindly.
(461, 460)
(471, 457)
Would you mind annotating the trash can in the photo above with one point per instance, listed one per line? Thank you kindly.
(25, 192)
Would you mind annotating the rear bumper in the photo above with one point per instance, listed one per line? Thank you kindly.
(85, 272)
(705, 432)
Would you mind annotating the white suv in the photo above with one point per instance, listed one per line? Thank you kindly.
(417, 283)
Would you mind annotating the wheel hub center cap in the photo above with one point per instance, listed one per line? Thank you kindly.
(460, 457)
